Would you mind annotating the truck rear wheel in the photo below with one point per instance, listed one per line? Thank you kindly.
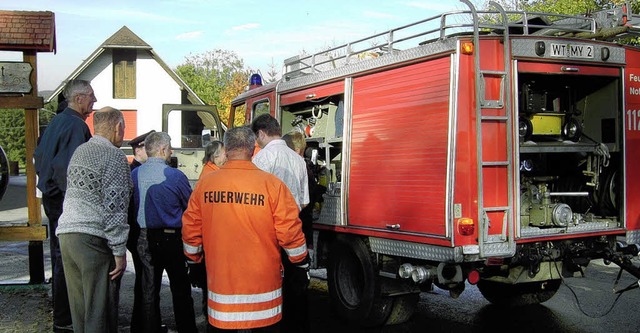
(4, 172)
(520, 294)
(403, 308)
(354, 284)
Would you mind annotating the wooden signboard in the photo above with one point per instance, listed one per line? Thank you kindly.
(14, 77)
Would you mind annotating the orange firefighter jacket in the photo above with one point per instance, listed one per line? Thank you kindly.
(208, 168)
(240, 216)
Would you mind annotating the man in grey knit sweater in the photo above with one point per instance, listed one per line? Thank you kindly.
(93, 227)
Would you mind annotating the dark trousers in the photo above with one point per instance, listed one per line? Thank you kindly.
(61, 312)
(275, 328)
(94, 296)
(165, 252)
(295, 308)
(205, 295)
(137, 313)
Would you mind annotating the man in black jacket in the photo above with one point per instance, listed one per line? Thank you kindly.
(64, 134)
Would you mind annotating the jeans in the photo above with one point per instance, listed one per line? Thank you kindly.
(61, 311)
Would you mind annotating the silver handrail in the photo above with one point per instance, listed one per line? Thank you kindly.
(440, 27)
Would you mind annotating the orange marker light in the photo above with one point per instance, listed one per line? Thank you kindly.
(467, 48)
(466, 226)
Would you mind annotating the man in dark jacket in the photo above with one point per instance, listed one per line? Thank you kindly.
(161, 194)
(64, 134)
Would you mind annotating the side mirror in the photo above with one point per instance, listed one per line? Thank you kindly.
(206, 137)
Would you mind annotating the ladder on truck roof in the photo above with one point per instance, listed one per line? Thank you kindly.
(605, 24)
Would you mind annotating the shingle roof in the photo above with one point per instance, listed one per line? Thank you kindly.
(23, 30)
(125, 38)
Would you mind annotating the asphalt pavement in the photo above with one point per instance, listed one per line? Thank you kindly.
(27, 308)
(583, 308)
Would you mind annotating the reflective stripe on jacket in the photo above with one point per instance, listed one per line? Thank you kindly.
(240, 216)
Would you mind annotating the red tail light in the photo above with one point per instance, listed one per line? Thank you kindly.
(466, 226)
(474, 277)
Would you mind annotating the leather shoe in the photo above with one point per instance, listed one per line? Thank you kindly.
(62, 329)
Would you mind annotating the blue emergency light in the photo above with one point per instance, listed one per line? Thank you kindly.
(255, 80)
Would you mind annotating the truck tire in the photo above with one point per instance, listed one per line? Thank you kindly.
(403, 308)
(520, 294)
(4, 172)
(354, 284)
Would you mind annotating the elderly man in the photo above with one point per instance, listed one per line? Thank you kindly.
(64, 134)
(93, 226)
(161, 194)
(241, 216)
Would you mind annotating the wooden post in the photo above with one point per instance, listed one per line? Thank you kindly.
(36, 253)
(30, 33)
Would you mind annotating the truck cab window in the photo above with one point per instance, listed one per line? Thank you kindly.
(261, 107)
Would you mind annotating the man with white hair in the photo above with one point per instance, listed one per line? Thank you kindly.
(160, 196)
(63, 135)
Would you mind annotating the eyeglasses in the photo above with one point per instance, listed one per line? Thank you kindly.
(92, 95)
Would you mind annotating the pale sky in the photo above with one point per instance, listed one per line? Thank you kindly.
(259, 32)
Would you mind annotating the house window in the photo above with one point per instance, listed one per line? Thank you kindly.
(124, 73)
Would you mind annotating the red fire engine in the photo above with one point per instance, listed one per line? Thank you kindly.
(489, 147)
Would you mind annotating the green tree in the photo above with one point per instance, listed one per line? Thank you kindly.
(236, 86)
(575, 7)
(561, 7)
(570, 7)
(12, 136)
(216, 76)
(582, 7)
(46, 114)
(12, 130)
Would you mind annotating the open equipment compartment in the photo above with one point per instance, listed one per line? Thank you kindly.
(570, 144)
